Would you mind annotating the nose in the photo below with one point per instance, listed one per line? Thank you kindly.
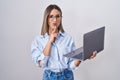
(54, 19)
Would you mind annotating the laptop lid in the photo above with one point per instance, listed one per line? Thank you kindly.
(93, 41)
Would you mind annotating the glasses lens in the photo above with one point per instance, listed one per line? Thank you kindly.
(56, 17)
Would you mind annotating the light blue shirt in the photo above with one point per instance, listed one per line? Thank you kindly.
(56, 61)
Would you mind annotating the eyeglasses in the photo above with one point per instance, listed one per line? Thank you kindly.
(57, 17)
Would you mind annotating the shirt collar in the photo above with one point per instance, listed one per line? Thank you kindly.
(61, 34)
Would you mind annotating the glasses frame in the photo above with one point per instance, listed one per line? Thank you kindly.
(52, 17)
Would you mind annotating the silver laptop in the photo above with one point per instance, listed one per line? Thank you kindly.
(92, 41)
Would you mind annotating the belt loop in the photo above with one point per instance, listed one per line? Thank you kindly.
(49, 74)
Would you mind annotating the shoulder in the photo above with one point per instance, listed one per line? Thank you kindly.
(67, 35)
(37, 38)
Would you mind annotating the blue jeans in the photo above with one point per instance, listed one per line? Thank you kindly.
(64, 75)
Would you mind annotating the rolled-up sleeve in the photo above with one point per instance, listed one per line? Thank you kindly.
(37, 53)
(71, 60)
(72, 64)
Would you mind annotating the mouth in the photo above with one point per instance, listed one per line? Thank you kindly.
(54, 24)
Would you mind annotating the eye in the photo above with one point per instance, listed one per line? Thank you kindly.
(57, 16)
(50, 16)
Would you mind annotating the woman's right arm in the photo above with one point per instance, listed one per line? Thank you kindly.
(40, 55)
(46, 51)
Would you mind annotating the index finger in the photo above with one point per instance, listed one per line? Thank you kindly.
(54, 29)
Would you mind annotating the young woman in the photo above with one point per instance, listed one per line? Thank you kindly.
(49, 47)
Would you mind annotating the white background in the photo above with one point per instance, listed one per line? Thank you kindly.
(21, 20)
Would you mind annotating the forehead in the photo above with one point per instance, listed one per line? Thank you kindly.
(55, 12)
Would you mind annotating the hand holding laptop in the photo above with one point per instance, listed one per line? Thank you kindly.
(93, 55)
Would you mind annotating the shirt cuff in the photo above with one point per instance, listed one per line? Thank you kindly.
(44, 60)
(73, 66)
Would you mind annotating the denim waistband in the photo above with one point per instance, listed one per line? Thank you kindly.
(50, 72)
(56, 70)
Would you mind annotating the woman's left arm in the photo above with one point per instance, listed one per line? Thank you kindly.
(77, 62)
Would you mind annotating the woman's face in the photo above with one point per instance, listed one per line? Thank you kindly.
(54, 19)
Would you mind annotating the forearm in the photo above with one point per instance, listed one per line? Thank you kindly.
(47, 48)
(46, 53)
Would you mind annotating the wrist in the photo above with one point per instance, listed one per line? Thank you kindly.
(77, 62)
(50, 42)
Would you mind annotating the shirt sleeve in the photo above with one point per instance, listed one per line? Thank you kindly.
(72, 65)
(71, 60)
(37, 53)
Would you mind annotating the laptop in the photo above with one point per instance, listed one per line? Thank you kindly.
(92, 41)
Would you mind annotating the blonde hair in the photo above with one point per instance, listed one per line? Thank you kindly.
(45, 26)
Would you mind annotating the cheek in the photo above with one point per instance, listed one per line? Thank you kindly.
(58, 23)
(49, 23)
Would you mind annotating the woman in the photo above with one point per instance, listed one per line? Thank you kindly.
(49, 47)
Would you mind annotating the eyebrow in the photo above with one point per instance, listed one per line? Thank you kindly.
(55, 15)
